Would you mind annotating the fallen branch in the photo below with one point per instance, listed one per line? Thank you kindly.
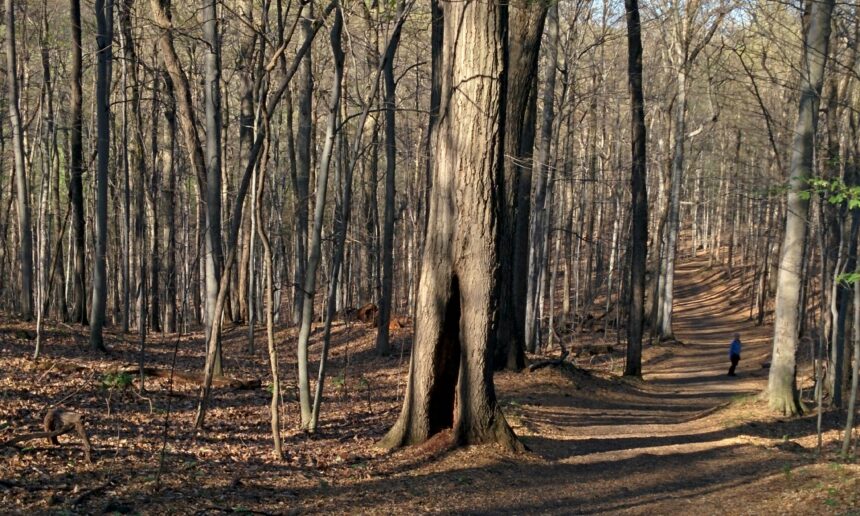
(547, 363)
(229, 510)
(192, 378)
(89, 492)
(39, 435)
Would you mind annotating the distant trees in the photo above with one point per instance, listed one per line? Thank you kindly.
(691, 26)
(585, 240)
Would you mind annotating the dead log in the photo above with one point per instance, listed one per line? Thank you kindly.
(547, 363)
(191, 378)
(595, 349)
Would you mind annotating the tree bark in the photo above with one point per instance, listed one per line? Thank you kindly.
(382, 344)
(314, 258)
(168, 163)
(104, 39)
(76, 188)
(212, 102)
(639, 193)
(782, 387)
(524, 31)
(25, 229)
(303, 168)
(450, 376)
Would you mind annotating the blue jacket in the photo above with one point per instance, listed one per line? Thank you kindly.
(735, 348)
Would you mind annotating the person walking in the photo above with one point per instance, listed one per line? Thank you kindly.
(735, 353)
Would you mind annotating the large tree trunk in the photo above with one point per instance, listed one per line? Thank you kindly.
(76, 187)
(104, 39)
(25, 235)
(525, 28)
(450, 381)
(782, 388)
(639, 194)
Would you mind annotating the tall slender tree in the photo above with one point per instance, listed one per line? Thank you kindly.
(76, 187)
(639, 193)
(539, 218)
(524, 31)
(104, 40)
(303, 167)
(212, 94)
(782, 386)
(382, 344)
(25, 229)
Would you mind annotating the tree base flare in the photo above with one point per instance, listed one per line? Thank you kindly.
(785, 404)
(496, 431)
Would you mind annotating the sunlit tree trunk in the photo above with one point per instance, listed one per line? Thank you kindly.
(450, 376)
(782, 387)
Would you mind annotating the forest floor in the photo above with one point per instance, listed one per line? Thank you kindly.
(685, 438)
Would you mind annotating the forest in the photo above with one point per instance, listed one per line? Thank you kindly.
(400, 256)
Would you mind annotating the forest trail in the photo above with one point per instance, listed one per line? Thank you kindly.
(683, 382)
(686, 438)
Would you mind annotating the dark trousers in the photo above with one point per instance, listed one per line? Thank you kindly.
(735, 359)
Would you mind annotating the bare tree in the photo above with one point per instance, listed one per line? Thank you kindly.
(76, 187)
(382, 344)
(104, 39)
(25, 229)
(639, 194)
(782, 388)
(450, 376)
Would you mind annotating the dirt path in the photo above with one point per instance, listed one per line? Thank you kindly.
(667, 445)
(686, 438)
